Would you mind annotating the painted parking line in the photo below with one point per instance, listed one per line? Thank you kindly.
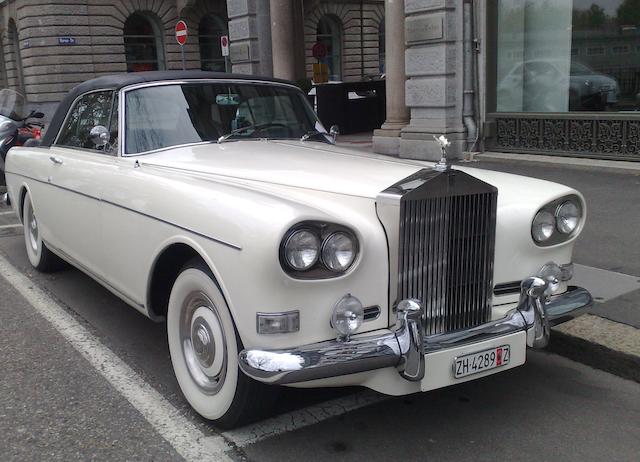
(173, 426)
(301, 418)
(10, 212)
(11, 226)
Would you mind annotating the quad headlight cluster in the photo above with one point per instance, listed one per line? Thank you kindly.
(316, 250)
(557, 221)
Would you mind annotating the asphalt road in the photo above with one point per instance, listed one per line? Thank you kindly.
(55, 406)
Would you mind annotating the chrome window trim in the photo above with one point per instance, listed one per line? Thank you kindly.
(71, 108)
(161, 83)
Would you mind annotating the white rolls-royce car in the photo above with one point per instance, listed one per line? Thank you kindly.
(220, 204)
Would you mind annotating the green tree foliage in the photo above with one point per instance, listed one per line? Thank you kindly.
(629, 13)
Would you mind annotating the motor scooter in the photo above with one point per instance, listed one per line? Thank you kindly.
(16, 128)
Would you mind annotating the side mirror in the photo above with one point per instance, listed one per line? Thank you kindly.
(99, 136)
(334, 131)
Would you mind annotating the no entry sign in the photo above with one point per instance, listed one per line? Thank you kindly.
(224, 45)
(181, 33)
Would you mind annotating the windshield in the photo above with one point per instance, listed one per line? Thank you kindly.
(12, 104)
(170, 115)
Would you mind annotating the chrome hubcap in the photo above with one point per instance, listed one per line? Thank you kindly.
(32, 225)
(203, 342)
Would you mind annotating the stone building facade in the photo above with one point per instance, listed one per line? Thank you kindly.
(48, 46)
(559, 77)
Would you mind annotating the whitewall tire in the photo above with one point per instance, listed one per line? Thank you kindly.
(40, 257)
(204, 350)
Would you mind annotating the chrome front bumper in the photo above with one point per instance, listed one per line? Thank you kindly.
(405, 346)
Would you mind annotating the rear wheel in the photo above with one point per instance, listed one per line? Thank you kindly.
(40, 257)
(204, 350)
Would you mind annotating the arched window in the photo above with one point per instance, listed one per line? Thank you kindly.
(381, 44)
(143, 44)
(210, 29)
(329, 33)
(14, 44)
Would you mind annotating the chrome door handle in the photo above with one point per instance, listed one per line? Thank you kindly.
(55, 160)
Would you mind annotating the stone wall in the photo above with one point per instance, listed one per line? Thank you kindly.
(360, 27)
(51, 69)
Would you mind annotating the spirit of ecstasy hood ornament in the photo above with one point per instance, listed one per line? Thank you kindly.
(442, 165)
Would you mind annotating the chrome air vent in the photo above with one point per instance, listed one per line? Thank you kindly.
(443, 228)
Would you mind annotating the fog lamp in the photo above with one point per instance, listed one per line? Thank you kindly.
(278, 323)
(347, 317)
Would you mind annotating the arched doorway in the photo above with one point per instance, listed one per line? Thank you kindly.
(143, 45)
(210, 29)
(329, 32)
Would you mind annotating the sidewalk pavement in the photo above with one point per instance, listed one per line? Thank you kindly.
(607, 338)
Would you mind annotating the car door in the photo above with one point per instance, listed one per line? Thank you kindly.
(77, 167)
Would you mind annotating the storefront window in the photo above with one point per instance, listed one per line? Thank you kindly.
(329, 33)
(210, 30)
(568, 55)
(143, 44)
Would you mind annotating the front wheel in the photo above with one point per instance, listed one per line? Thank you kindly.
(40, 257)
(204, 350)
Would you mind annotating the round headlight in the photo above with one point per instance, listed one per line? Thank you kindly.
(348, 315)
(568, 217)
(301, 250)
(543, 226)
(338, 252)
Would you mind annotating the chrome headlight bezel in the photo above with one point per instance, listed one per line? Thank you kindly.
(554, 208)
(323, 231)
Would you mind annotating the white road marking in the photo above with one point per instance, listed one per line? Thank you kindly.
(302, 418)
(11, 226)
(10, 212)
(174, 427)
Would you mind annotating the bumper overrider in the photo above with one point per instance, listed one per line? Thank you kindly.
(405, 346)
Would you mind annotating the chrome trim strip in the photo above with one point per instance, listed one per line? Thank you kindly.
(146, 215)
(399, 347)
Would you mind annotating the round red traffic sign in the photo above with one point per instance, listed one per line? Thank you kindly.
(224, 41)
(319, 50)
(181, 32)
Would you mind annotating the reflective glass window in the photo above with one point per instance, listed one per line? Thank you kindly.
(568, 55)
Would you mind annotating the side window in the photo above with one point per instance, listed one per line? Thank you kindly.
(90, 110)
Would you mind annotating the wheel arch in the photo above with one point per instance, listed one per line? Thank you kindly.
(169, 260)
(24, 190)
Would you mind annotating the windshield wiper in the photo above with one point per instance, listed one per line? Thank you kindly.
(314, 134)
(225, 137)
(249, 127)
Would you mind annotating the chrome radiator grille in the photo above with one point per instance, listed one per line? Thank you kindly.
(446, 251)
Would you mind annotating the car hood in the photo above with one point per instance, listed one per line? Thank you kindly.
(309, 165)
(327, 168)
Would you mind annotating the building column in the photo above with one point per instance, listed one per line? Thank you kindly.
(434, 68)
(250, 37)
(282, 39)
(386, 140)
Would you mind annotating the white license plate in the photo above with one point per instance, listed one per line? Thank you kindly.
(481, 361)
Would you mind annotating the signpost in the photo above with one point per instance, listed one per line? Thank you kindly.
(224, 45)
(181, 37)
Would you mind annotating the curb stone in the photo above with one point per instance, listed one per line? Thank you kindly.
(600, 343)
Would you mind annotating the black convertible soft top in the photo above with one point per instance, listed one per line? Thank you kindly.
(118, 81)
